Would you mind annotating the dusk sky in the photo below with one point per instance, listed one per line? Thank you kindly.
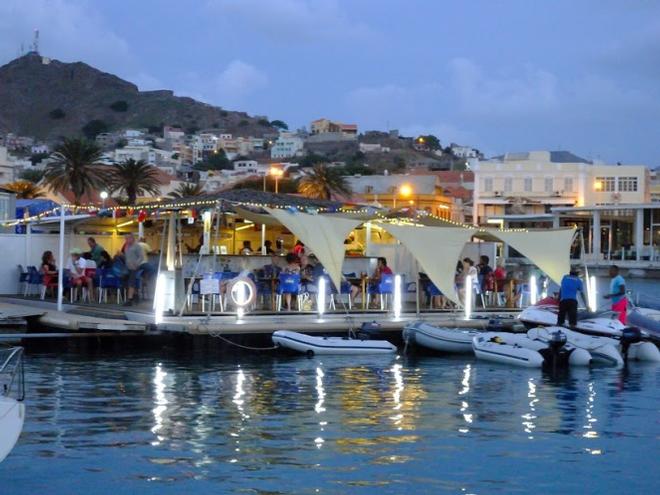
(499, 75)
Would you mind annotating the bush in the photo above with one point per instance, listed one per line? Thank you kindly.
(264, 122)
(280, 124)
(32, 175)
(57, 114)
(93, 128)
(243, 123)
(37, 157)
(119, 106)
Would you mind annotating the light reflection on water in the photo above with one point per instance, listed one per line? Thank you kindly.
(295, 425)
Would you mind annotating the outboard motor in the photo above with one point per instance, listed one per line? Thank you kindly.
(629, 336)
(368, 330)
(556, 344)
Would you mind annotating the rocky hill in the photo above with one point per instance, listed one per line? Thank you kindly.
(47, 99)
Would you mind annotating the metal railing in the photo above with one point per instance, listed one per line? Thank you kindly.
(12, 372)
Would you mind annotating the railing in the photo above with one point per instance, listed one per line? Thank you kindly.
(12, 372)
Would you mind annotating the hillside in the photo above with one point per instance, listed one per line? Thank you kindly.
(48, 99)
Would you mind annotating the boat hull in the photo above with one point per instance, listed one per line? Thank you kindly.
(594, 324)
(440, 339)
(509, 352)
(12, 416)
(312, 345)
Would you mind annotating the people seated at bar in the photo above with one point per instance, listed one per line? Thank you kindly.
(105, 261)
(95, 250)
(247, 248)
(76, 267)
(134, 259)
(374, 280)
(48, 270)
(268, 247)
(280, 250)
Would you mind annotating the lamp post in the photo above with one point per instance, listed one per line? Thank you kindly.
(405, 191)
(277, 173)
(104, 196)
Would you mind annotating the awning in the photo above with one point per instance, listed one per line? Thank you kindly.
(324, 235)
(437, 250)
(550, 250)
(259, 218)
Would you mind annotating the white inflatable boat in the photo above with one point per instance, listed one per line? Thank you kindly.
(452, 340)
(602, 323)
(604, 349)
(12, 409)
(311, 345)
(505, 348)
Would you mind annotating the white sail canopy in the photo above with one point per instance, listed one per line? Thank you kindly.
(323, 234)
(550, 250)
(437, 249)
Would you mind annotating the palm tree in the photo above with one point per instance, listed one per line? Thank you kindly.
(25, 189)
(135, 178)
(323, 182)
(75, 167)
(186, 190)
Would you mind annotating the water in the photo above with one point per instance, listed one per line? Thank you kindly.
(147, 424)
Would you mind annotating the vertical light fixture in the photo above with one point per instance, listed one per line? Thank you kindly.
(592, 294)
(320, 297)
(159, 296)
(533, 290)
(468, 297)
(397, 297)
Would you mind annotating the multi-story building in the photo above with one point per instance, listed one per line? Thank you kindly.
(173, 134)
(287, 145)
(533, 183)
(422, 192)
(202, 145)
(322, 126)
(463, 151)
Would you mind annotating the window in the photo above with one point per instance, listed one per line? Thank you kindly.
(568, 184)
(627, 184)
(605, 184)
(547, 184)
(528, 184)
(488, 184)
(508, 184)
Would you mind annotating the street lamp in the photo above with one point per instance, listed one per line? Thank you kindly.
(104, 196)
(277, 173)
(405, 191)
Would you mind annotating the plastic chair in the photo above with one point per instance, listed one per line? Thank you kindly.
(431, 292)
(108, 280)
(345, 289)
(22, 280)
(289, 283)
(385, 287)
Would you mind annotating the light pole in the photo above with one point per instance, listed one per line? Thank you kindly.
(405, 191)
(104, 196)
(277, 173)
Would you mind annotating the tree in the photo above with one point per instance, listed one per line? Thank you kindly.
(93, 128)
(355, 169)
(134, 178)
(32, 175)
(322, 182)
(119, 106)
(186, 190)
(37, 157)
(312, 159)
(285, 185)
(24, 189)
(57, 114)
(431, 142)
(280, 124)
(215, 161)
(75, 167)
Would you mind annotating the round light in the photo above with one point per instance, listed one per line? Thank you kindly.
(104, 195)
(241, 293)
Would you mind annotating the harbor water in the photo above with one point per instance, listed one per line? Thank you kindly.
(166, 423)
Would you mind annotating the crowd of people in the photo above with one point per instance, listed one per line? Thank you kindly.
(83, 269)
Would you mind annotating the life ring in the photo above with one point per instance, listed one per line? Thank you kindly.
(241, 292)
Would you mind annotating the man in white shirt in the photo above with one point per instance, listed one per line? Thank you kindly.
(76, 267)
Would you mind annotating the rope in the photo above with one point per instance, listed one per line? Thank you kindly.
(247, 347)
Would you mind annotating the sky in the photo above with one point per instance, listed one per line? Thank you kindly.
(505, 75)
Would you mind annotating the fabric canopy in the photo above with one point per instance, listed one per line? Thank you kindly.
(550, 250)
(324, 235)
(437, 250)
(259, 218)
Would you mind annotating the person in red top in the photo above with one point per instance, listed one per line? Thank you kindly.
(299, 249)
(381, 269)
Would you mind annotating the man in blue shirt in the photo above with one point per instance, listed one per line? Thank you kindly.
(568, 304)
(618, 293)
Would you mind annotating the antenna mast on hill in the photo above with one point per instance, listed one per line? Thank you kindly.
(35, 43)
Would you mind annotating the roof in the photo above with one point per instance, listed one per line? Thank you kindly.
(448, 177)
(552, 156)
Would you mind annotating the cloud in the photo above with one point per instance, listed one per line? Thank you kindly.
(230, 88)
(69, 29)
(293, 20)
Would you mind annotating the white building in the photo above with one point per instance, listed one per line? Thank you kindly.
(173, 134)
(531, 184)
(287, 145)
(373, 148)
(202, 145)
(463, 151)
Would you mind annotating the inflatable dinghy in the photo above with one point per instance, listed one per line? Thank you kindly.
(602, 323)
(440, 338)
(312, 345)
